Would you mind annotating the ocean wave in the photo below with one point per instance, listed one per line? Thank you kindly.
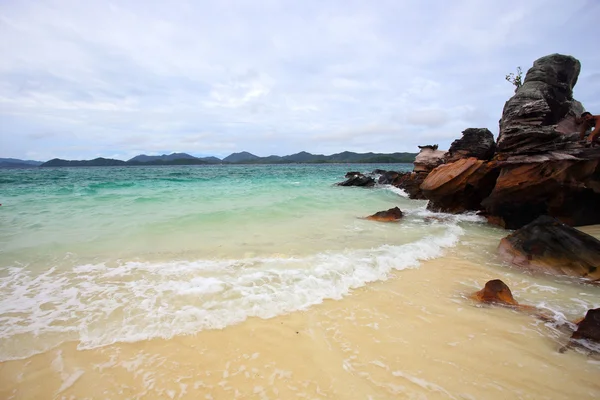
(99, 304)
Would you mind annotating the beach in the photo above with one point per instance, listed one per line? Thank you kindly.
(265, 282)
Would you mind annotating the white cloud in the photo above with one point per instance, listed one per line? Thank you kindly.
(79, 79)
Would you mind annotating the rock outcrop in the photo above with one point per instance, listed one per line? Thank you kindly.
(459, 186)
(357, 179)
(550, 246)
(391, 215)
(532, 119)
(475, 142)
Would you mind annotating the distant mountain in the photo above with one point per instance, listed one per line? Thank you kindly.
(244, 156)
(142, 158)
(240, 158)
(16, 163)
(96, 162)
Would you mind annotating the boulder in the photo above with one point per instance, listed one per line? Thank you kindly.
(550, 246)
(460, 186)
(533, 120)
(428, 158)
(589, 327)
(351, 174)
(391, 215)
(475, 142)
(496, 292)
(565, 188)
(358, 180)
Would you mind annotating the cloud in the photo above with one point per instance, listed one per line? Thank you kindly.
(79, 79)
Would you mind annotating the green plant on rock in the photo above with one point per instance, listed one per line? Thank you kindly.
(516, 79)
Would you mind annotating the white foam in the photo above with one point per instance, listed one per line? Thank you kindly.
(394, 189)
(99, 304)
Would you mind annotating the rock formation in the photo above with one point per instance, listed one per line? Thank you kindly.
(459, 186)
(391, 215)
(428, 158)
(550, 246)
(475, 142)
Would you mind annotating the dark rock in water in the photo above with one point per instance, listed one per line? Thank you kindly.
(497, 292)
(387, 177)
(533, 120)
(358, 180)
(411, 182)
(475, 142)
(391, 215)
(460, 186)
(566, 189)
(589, 327)
(550, 246)
(350, 174)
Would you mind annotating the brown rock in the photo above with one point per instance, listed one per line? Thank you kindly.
(550, 246)
(391, 215)
(411, 183)
(459, 186)
(589, 327)
(566, 189)
(497, 292)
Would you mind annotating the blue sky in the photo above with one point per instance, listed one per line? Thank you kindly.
(82, 79)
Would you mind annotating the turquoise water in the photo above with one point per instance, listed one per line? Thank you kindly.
(102, 255)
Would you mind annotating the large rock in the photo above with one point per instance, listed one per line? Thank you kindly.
(460, 186)
(566, 189)
(550, 246)
(411, 182)
(475, 142)
(428, 158)
(540, 116)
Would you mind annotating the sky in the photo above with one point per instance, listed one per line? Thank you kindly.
(86, 79)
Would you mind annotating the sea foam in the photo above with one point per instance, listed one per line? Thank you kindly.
(100, 304)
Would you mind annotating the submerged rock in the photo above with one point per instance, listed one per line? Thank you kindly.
(550, 246)
(357, 179)
(391, 215)
(475, 142)
(386, 177)
(497, 292)
(460, 186)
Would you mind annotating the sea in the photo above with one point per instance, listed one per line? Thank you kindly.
(267, 282)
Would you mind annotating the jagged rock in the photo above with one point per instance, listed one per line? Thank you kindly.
(386, 177)
(391, 215)
(411, 182)
(589, 326)
(497, 292)
(350, 174)
(533, 120)
(460, 186)
(475, 142)
(566, 189)
(550, 246)
(358, 180)
(428, 158)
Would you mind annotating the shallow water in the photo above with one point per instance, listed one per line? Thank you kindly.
(263, 282)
